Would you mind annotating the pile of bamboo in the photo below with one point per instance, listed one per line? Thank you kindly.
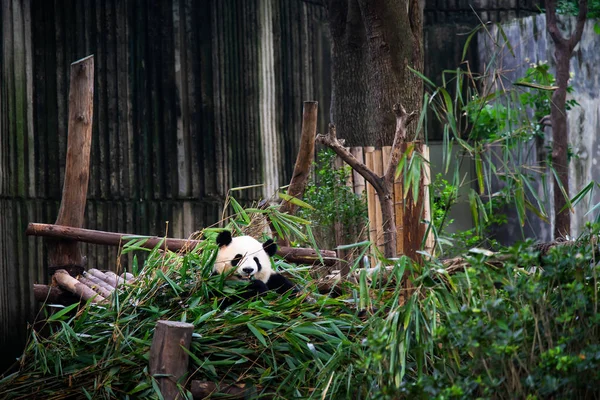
(93, 284)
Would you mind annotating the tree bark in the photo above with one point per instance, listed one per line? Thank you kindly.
(306, 155)
(373, 44)
(66, 254)
(558, 113)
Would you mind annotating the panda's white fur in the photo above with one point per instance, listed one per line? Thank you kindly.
(245, 258)
(254, 262)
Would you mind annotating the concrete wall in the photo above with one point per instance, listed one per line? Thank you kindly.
(531, 44)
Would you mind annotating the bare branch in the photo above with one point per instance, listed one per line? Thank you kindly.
(402, 121)
(581, 17)
(551, 23)
(330, 140)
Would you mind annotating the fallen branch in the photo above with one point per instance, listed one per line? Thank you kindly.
(290, 254)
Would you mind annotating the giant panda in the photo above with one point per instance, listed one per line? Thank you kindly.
(251, 261)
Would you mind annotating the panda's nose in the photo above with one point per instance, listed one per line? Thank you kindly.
(248, 270)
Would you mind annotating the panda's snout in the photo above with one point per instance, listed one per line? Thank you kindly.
(248, 270)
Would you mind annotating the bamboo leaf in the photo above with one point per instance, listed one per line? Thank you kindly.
(257, 333)
(58, 316)
(295, 200)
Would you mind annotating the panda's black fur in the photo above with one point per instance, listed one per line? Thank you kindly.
(251, 261)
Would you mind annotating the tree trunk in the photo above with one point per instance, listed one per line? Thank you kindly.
(560, 144)
(373, 44)
(558, 113)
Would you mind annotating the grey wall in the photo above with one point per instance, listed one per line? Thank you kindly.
(532, 44)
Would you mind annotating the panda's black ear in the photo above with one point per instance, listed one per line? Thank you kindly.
(224, 238)
(270, 247)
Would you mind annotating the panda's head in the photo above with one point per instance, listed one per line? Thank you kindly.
(247, 256)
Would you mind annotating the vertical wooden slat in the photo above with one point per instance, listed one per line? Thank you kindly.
(378, 169)
(371, 199)
(399, 209)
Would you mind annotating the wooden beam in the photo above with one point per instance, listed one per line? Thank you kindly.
(66, 254)
(168, 359)
(290, 254)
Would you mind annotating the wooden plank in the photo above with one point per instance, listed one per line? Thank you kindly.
(399, 209)
(430, 239)
(371, 199)
(378, 169)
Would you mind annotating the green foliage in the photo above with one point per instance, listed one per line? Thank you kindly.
(445, 195)
(334, 203)
(571, 7)
(517, 325)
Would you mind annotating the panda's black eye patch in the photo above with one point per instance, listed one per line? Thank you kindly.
(236, 260)
(258, 266)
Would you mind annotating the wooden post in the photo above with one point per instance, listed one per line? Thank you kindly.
(306, 155)
(167, 356)
(66, 254)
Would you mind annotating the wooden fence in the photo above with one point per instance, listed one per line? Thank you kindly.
(192, 98)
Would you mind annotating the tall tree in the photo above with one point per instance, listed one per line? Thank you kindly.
(558, 113)
(373, 44)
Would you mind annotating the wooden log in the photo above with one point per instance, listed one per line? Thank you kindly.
(95, 287)
(290, 254)
(66, 254)
(52, 294)
(67, 282)
(204, 389)
(306, 155)
(168, 359)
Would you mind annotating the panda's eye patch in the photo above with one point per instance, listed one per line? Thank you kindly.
(258, 266)
(236, 260)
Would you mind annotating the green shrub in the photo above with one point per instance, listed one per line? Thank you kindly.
(336, 206)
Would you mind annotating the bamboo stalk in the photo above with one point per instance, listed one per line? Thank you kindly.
(94, 286)
(110, 281)
(67, 282)
(98, 281)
